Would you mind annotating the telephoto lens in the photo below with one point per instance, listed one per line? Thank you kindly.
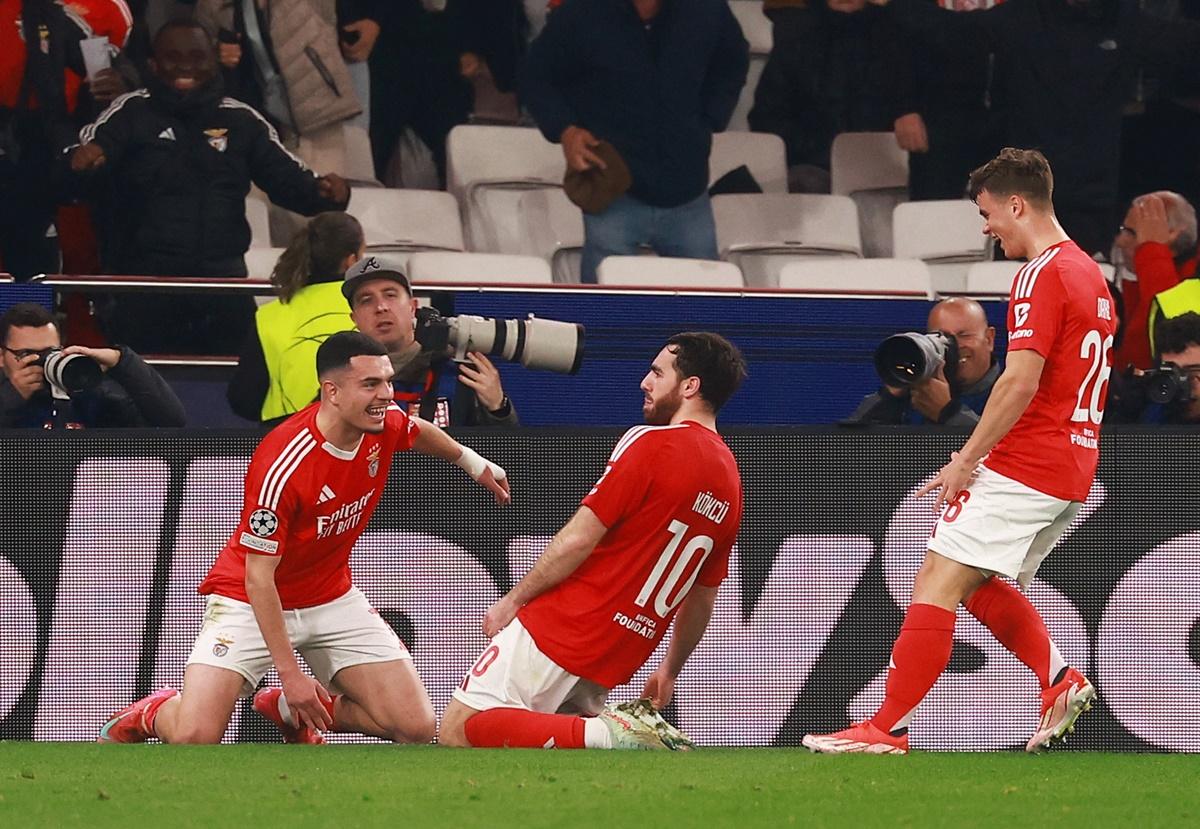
(72, 373)
(910, 358)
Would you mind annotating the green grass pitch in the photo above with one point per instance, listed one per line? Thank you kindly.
(68, 784)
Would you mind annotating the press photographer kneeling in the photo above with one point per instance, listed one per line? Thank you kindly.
(51, 387)
(942, 378)
(1169, 393)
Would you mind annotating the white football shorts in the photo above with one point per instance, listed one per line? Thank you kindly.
(338, 634)
(1001, 526)
(514, 673)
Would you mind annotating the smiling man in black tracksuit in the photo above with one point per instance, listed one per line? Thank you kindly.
(180, 159)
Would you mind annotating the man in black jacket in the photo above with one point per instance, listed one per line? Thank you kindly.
(654, 78)
(1066, 68)
(180, 158)
(130, 393)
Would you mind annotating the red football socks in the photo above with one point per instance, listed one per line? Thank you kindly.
(921, 653)
(518, 728)
(1012, 619)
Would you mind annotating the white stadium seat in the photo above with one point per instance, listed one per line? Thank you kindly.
(884, 276)
(762, 232)
(762, 152)
(871, 168)
(940, 231)
(399, 220)
(258, 217)
(261, 261)
(552, 228)
(656, 271)
(756, 28)
(992, 278)
(426, 268)
(487, 169)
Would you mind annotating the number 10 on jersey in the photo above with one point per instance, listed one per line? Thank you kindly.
(662, 588)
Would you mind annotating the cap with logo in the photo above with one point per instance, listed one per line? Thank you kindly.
(368, 268)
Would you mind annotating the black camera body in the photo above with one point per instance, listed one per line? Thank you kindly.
(70, 373)
(1166, 384)
(908, 359)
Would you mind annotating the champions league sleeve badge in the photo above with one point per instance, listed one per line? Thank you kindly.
(263, 523)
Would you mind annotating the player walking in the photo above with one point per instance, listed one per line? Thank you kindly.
(649, 544)
(283, 579)
(1038, 445)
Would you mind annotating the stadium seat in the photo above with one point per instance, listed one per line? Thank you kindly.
(261, 261)
(762, 152)
(398, 220)
(883, 276)
(871, 168)
(762, 232)
(487, 169)
(756, 28)
(427, 268)
(552, 227)
(258, 217)
(992, 278)
(947, 235)
(655, 271)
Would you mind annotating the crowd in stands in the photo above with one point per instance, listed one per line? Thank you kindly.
(132, 131)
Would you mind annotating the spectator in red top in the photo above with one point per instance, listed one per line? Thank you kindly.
(39, 93)
(1157, 246)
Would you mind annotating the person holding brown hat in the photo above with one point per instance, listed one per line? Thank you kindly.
(634, 90)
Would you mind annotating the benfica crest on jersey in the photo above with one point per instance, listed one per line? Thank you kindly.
(218, 139)
(373, 461)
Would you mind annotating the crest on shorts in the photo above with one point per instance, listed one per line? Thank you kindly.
(218, 139)
(373, 461)
(222, 646)
(263, 523)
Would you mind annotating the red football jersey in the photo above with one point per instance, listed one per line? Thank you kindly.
(671, 498)
(1061, 308)
(308, 501)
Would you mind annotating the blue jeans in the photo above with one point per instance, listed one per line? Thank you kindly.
(686, 231)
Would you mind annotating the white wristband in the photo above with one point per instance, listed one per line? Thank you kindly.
(474, 465)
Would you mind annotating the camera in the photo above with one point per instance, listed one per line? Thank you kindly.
(911, 358)
(1166, 384)
(534, 343)
(70, 373)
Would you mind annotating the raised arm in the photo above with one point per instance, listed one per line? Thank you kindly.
(562, 556)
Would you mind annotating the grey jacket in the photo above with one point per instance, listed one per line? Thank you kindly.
(303, 40)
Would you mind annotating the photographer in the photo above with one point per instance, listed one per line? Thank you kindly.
(382, 306)
(1168, 393)
(109, 387)
(949, 398)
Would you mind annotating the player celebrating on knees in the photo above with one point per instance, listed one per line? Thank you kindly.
(1022, 475)
(283, 579)
(649, 544)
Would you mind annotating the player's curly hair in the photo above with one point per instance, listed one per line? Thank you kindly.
(1017, 172)
(715, 360)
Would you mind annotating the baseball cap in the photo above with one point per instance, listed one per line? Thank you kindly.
(369, 268)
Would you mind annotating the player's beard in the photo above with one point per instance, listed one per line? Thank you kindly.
(659, 412)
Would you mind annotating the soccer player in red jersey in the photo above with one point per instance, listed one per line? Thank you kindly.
(282, 581)
(1020, 478)
(650, 543)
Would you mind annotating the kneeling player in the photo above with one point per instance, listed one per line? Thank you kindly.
(649, 544)
(283, 579)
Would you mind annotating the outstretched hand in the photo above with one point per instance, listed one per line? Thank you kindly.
(950, 480)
